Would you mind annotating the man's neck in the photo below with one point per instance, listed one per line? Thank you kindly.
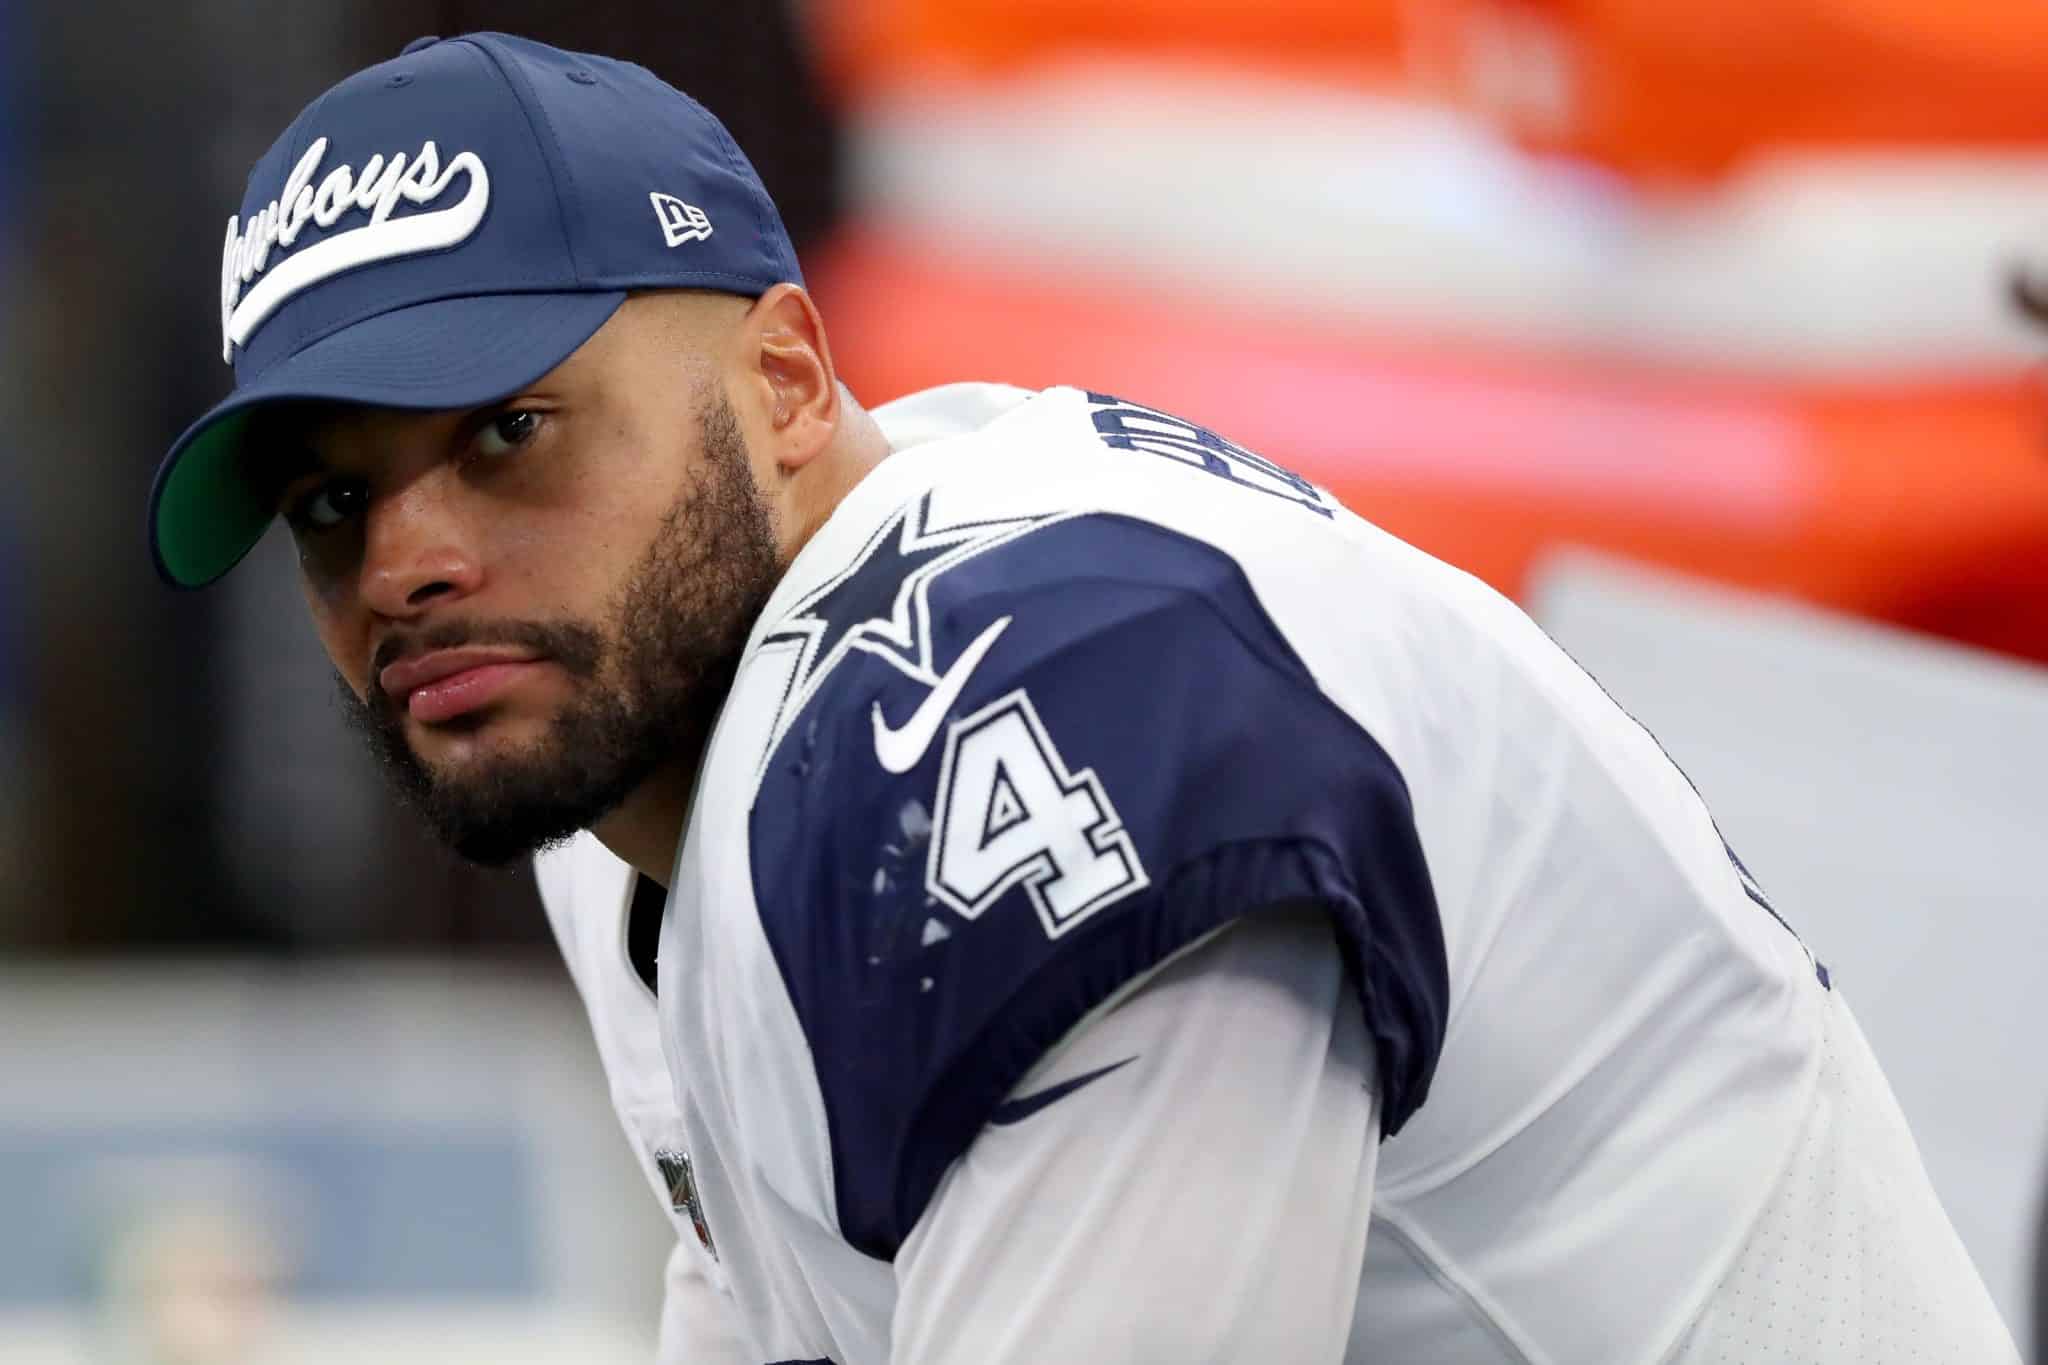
(859, 447)
(647, 828)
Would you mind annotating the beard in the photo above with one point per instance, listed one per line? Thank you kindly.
(653, 684)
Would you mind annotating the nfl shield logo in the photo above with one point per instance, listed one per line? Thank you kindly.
(682, 1193)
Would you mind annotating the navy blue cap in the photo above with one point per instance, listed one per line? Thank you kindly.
(440, 230)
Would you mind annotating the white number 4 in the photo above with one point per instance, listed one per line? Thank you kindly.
(1010, 812)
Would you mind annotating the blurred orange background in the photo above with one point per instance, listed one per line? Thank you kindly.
(1914, 492)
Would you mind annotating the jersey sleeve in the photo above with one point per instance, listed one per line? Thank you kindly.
(1200, 1190)
(1130, 756)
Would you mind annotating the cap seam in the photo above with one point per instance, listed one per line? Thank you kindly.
(308, 332)
(305, 123)
(735, 161)
(684, 279)
(549, 142)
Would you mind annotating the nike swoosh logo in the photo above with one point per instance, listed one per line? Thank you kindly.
(1017, 1110)
(898, 750)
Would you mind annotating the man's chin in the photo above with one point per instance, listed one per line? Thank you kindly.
(499, 788)
(498, 844)
(475, 738)
(497, 814)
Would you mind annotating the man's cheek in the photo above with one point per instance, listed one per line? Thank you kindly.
(346, 650)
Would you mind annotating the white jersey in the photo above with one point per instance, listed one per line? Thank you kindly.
(1134, 909)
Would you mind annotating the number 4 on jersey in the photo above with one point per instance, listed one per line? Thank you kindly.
(1009, 811)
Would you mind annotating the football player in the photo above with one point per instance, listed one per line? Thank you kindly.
(1057, 886)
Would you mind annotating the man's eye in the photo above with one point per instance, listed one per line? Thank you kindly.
(332, 503)
(507, 432)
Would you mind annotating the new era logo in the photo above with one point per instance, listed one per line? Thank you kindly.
(680, 222)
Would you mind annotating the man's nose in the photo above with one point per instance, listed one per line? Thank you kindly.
(415, 553)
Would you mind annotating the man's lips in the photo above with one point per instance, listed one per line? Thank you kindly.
(448, 682)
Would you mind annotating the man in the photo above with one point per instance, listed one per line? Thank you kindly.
(1120, 905)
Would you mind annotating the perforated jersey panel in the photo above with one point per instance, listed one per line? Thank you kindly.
(1853, 1259)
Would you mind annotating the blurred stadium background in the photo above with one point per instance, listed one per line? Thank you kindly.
(1691, 326)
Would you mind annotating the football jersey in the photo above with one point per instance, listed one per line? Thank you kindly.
(1109, 837)
(590, 899)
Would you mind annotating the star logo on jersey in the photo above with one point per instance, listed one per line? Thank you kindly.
(878, 603)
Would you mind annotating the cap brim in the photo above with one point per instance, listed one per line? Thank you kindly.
(206, 511)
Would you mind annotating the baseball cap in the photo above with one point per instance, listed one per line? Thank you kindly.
(438, 231)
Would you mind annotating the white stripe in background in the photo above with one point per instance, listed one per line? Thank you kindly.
(1360, 208)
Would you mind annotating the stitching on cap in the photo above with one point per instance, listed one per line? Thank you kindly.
(551, 152)
(668, 279)
(312, 330)
(735, 161)
(306, 124)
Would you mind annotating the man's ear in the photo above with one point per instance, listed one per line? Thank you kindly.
(793, 374)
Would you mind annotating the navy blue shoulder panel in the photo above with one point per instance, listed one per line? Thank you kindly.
(1138, 758)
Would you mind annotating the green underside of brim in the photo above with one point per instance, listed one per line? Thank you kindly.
(209, 514)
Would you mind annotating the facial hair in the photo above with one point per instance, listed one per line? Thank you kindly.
(651, 686)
